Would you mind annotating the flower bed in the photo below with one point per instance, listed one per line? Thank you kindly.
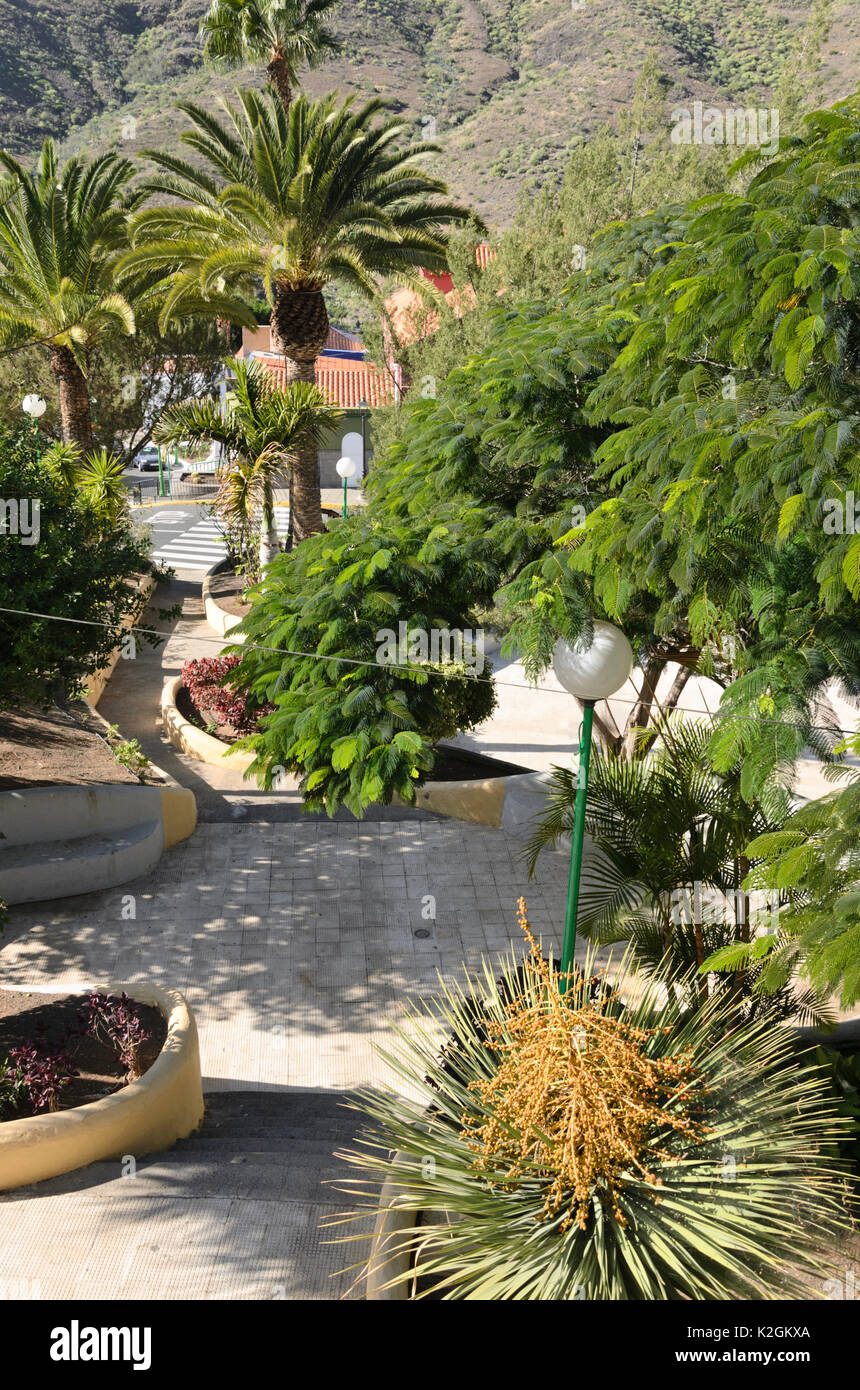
(59, 1051)
(145, 1116)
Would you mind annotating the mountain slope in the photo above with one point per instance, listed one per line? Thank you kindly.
(510, 84)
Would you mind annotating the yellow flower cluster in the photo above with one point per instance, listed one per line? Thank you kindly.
(576, 1099)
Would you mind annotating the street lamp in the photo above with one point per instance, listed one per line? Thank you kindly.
(346, 469)
(590, 672)
(34, 406)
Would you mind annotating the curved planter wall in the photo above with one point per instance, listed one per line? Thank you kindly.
(146, 1116)
(218, 618)
(193, 741)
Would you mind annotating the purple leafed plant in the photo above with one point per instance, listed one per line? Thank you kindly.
(117, 1022)
(42, 1075)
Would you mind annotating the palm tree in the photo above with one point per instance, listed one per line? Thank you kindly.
(294, 201)
(97, 477)
(60, 234)
(286, 35)
(262, 429)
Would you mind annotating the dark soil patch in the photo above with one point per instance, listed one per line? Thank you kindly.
(227, 589)
(461, 765)
(40, 748)
(189, 711)
(46, 1021)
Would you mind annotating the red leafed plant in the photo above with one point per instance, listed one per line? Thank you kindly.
(217, 703)
(41, 1076)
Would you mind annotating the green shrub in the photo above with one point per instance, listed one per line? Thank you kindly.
(354, 729)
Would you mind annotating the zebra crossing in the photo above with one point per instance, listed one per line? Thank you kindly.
(203, 544)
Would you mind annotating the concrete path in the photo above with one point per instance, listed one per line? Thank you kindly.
(295, 944)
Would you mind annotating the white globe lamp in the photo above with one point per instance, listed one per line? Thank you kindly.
(346, 469)
(595, 670)
(34, 406)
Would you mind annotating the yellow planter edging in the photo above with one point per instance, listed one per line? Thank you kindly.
(193, 741)
(217, 617)
(178, 813)
(99, 679)
(480, 803)
(144, 1117)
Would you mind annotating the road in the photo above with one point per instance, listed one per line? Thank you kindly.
(187, 537)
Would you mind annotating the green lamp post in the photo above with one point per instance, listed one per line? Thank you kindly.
(34, 406)
(346, 469)
(591, 671)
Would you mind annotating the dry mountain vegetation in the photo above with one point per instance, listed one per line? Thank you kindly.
(511, 84)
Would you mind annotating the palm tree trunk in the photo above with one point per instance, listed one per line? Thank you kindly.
(269, 547)
(74, 399)
(299, 328)
(306, 514)
(279, 76)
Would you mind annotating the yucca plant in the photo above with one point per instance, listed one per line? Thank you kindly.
(327, 192)
(98, 476)
(286, 35)
(60, 231)
(587, 1146)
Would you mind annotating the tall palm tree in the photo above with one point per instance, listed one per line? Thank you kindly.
(293, 200)
(60, 233)
(286, 35)
(262, 429)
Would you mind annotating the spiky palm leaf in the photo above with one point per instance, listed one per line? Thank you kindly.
(61, 230)
(286, 35)
(295, 200)
(262, 427)
(744, 1212)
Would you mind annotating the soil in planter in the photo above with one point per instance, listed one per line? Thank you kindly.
(462, 765)
(46, 1020)
(227, 589)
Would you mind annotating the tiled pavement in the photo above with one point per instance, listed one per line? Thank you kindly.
(294, 942)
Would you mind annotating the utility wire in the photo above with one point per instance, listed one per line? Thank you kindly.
(221, 642)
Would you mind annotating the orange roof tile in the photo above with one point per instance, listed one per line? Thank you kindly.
(343, 381)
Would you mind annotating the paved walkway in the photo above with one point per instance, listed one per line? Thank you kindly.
(295, 944)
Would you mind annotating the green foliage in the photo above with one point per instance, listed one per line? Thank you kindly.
(354, 730)
(745, 1213)
(844, 1074)
(669, 839)
(78, 570)
(813, 862)
(128, 753)
(261, 430)
(130, 380)
(268, 208)
(236, 32)
(60, 230)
